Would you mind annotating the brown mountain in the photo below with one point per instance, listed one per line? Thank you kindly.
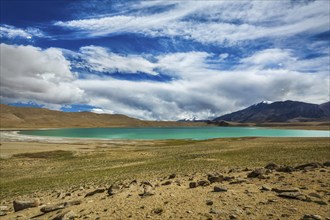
(286, 111)
(25, 117)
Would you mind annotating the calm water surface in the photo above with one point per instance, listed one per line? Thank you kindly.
(196, 133)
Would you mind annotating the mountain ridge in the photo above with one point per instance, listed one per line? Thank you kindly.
(280, 111)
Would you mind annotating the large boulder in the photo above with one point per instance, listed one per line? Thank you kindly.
(20, 204)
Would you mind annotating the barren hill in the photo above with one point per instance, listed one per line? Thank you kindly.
(24, 117)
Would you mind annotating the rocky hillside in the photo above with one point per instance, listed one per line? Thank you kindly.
(287, 111)
(23, 117)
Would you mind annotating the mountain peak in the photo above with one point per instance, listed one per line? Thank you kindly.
(281, 111)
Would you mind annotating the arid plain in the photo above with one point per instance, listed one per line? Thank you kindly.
(231, 178)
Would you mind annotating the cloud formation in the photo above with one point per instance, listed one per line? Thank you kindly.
(8, 31)
(215, 22)
(30, 73)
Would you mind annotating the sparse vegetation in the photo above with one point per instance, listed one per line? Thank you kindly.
(28, 172)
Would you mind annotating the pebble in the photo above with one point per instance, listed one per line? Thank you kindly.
(113, 189)
(220, 189)
(192, 185)
(203, 183)
(311, 217)
(100, 190)
(209, 202)
(65, 215)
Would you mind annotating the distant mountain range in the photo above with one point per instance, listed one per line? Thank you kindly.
(286, 111)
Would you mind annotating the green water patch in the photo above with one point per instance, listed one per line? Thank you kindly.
(190, 133)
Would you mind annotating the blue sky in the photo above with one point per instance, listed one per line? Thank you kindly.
(163, 60)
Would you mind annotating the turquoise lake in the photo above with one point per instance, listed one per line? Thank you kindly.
(195, 133)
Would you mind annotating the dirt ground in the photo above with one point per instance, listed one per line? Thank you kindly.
(156, 179)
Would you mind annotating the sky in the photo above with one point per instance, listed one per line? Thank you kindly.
(163, 60)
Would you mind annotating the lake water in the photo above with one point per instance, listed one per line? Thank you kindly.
(196, 133)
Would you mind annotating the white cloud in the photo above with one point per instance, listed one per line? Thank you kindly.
(8, 31)
(223, 21)
(198, 89)
(101, 60)
(44, 76)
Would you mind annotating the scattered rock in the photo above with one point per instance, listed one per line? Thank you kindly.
(220, 189)
(308, 166)
(20, 205)
(67, 215)
(172, 176)
(256, 173)
(228, 178)
(51, 208)
(157, 211)
(326, 164)
(166, 183)
(320, 202)
(237, 181)
(265, 188)
(147, 191)
(203, 183)
(293, 195)
(285, 169)
(311, 217)
(232, 216)
(271, 166)
(315, 195)
(209, 202)
(113, 189)
(282, 190)
(192, 185)
(100, 190)
(215, 178)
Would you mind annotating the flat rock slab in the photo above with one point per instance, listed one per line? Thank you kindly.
(20, 205)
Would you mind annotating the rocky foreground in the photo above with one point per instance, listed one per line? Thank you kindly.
(272, 192)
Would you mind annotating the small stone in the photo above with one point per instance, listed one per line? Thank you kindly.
(237, 181)
(20, 205)
(147, 191)
(215, 178)
(100, 190)
(256, 173)
(293, 195)
(67, 215)
(320, 202)
(157, 211)
(220, 189)
(282, 190)
(311, 217)
(172, 176)
(308, 166)
(2, 213)
(285, 169)
(326, 164)
(113, 189)
(203, 183)
(51, 208)
(209, 202)
(315, 195)
(214, 211)
(192, 185)
(166, 183)
(4, 208)
(265, 188)
(271, 166)
(232, 216)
